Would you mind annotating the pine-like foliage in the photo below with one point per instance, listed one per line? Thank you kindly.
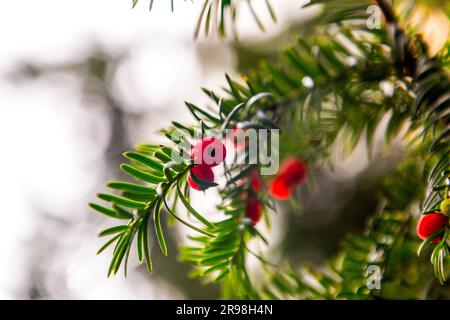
(221, 15)
(322, 87)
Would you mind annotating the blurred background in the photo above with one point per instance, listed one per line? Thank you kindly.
(83, 81)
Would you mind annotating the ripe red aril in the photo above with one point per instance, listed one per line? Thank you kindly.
(256, 182)
(292, 173)
(202, 173)
(253, 210)
(209, 152)
(429, 224)
(279, 190)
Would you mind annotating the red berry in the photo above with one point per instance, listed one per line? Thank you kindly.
(256, 182)
(279, 190)
(253, 210)
(429, 224)
(209, 152)
(292, 173)
(202, 173)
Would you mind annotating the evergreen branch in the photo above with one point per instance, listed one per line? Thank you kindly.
(152, 165)
(385, 244)
(431, 86)
(345, 277)
(215, 13)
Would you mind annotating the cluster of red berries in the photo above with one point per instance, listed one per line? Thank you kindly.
(292, 173)
(433, 222)
(208, 153)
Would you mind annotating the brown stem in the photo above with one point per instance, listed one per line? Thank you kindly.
(387, 10)
(405, 57)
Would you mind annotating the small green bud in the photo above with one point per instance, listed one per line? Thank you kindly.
(445, 207)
